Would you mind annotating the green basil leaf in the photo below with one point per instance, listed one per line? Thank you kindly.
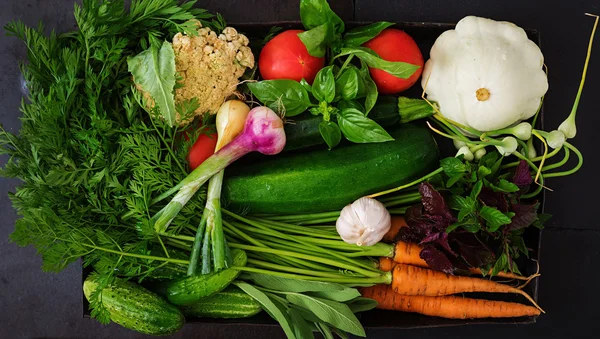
(414, 109)
(495, 218)
(348, 83)
(398, 69)
(306, 85)
(314, 13)
(323, 87)
(268, 305)
(301, 327)
(337, 314)
(359, 35)
(370, 88)
(317, 39)
(283, 96)
(350, 104)
(293, 285)
(360, 129)
(331, 133)
(362, 304)
(344, 295)
(154, 71)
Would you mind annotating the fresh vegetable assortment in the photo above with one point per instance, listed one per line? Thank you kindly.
(133, 156)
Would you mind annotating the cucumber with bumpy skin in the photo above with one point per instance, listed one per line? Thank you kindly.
(189, 290)
(230, 303)
(136, 308)
(322, 180)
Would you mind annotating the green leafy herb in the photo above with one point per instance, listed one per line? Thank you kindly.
(343, 295)
(331, 133)
(361, 304)
(494, 217)
(370, 89)
(315, 13)
(323, 87)
(348, 83)
(269, 306)
(399, 69)
(484, 213)
(89, 158)
(154, 71)
(356, 127)
(359, 35)
(331, 312)
(317, 39)
(294, 285)
(285, 96)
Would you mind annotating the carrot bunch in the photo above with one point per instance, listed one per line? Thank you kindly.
(416, 288)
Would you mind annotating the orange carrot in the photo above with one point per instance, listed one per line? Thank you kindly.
(412, 280)
(453, 307)
(386, 264)
(398, 222)
(407, 253)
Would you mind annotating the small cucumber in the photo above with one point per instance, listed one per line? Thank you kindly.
(191, 289)
(136, 308)
(232, 302)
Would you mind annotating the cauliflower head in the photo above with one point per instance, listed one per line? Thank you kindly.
(208, 67)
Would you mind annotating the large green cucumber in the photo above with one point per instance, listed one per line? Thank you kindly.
(189, 290)
(232, 302)
(303, 130)
(323, 180)
(136, 308)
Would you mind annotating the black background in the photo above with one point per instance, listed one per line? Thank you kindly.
(35, 304)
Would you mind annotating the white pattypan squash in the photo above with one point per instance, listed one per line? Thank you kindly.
(485, 74)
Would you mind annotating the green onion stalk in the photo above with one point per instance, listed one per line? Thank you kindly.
(292, 251)
(262, 132)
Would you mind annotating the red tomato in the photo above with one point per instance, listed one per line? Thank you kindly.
(286, 57)
(203, 148)
(395, 45)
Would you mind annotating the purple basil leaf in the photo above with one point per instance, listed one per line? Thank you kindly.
(416, 224)
(436, 259)
(431, 238)
(433, 202)
(494, 199)
(522, 177)
(473, 251)
(525, 215)
(442, 240)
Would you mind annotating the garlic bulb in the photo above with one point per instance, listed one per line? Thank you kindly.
(364, 222)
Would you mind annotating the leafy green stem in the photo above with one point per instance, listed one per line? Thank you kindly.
(412, 183)
(385, 278)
